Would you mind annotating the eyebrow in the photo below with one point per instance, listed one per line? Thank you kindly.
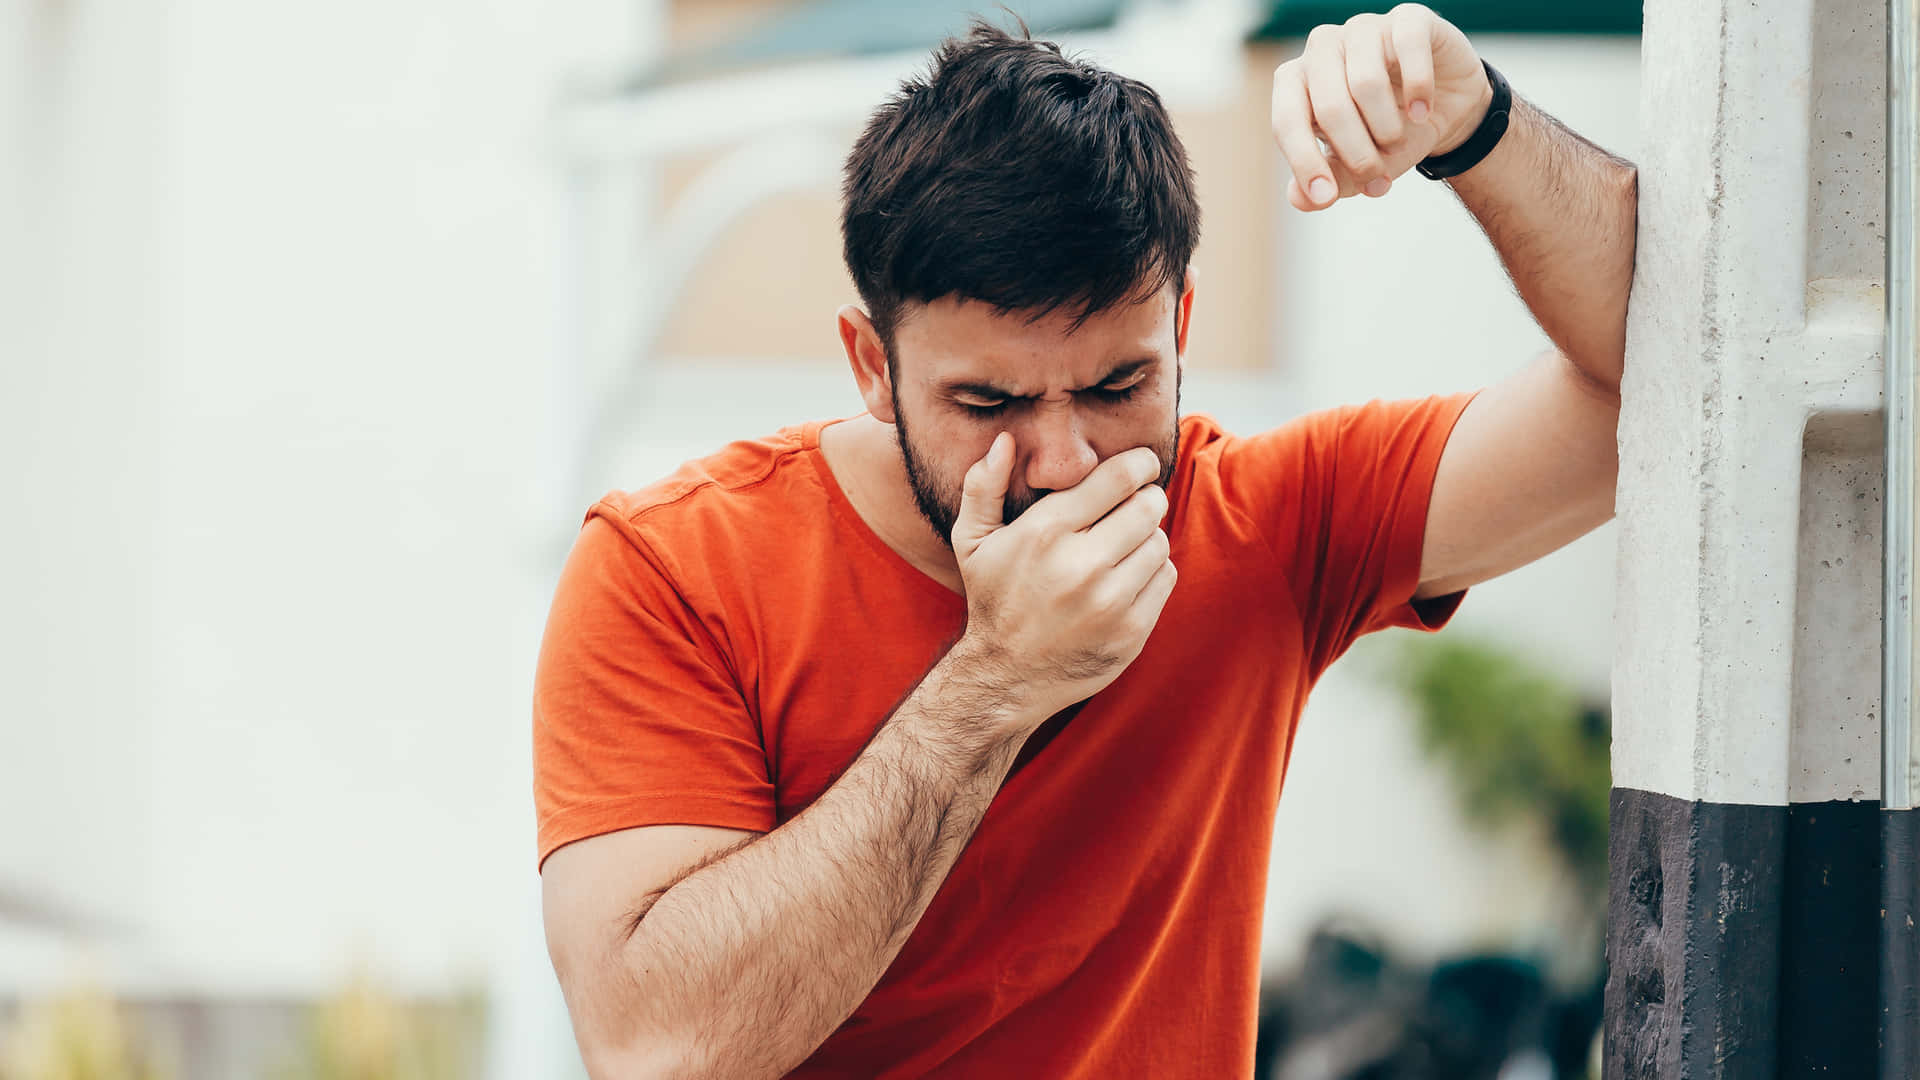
(990, 390)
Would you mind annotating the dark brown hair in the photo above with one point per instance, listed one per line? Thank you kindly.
(1019, 177)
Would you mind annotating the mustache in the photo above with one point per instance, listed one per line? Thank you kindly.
(1014, 505)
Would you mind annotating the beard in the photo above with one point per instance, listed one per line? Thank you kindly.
(939, 501)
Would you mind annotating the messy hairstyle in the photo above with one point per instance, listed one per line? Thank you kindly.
(1019, 177)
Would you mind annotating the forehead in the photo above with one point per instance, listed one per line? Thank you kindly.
(953, 338)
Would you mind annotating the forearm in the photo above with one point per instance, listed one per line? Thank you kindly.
(1561, 212)
(744, 967)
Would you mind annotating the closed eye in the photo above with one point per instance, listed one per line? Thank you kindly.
(1111, 395)
(1115, 396)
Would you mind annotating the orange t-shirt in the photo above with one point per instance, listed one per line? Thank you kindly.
(723, 643)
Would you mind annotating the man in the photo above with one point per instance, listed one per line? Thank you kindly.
(897, 746)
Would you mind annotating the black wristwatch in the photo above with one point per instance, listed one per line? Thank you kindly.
(1482, 141)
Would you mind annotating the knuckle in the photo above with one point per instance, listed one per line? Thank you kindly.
(1368, 82)
(1321, 35)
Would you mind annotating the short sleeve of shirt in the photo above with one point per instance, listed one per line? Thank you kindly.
(1342, 494)
(637, 717)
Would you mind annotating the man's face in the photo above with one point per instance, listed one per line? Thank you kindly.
(962, 374)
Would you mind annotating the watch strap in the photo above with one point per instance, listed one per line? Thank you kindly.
(1482, 141)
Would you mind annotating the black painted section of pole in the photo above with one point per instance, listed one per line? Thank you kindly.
(1899, 945)
(1693, 938)
(1749, 942)
(1830, 940)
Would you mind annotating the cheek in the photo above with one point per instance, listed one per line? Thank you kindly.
(1143, 417)
(946, 445)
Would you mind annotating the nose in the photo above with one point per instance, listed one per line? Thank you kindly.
(1057, 455)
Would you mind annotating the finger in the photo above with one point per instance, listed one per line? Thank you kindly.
(1133, 572)
(1107, 486)
(1344, 185)
(1122, 585)
(1334, 111)
(1131, 524)
(1153, 596)
(1369, 84)
(1412, 46)
(983, 497)
(1293, 130)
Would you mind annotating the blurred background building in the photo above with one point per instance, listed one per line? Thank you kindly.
(320, 327)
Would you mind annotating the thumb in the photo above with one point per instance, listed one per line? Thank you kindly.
(984, 496)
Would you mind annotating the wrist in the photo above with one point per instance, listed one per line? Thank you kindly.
(983, 675)
(1476, 116)
(969, 712)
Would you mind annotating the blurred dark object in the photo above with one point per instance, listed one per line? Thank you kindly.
(1352, 1012)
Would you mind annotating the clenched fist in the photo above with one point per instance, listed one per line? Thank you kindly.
(1382, 92)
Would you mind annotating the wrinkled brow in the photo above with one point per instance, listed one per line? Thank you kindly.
(992, 390)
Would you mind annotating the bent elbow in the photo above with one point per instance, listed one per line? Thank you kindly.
(643, 1059)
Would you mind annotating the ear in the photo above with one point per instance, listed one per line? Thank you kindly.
(1183, 314)
(869, 361)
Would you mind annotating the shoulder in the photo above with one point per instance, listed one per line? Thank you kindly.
(736, 469)
(747, 491)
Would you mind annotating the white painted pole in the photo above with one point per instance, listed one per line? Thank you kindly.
(1899, 752)
(1900, 787)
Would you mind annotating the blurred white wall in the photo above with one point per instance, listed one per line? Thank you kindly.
(278, 331)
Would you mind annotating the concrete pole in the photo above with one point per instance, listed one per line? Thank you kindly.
(1743, 932)
(1900, 751)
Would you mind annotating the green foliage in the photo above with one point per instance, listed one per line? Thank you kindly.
(1519, 743)
(364, 1033)
(361, 1033)
(78, 1035)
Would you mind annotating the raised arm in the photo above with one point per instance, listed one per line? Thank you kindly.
(1532, 462)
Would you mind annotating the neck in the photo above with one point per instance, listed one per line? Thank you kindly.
(865, 457)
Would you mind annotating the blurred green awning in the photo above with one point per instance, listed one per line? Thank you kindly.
(1294, 18)
(823, 29)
